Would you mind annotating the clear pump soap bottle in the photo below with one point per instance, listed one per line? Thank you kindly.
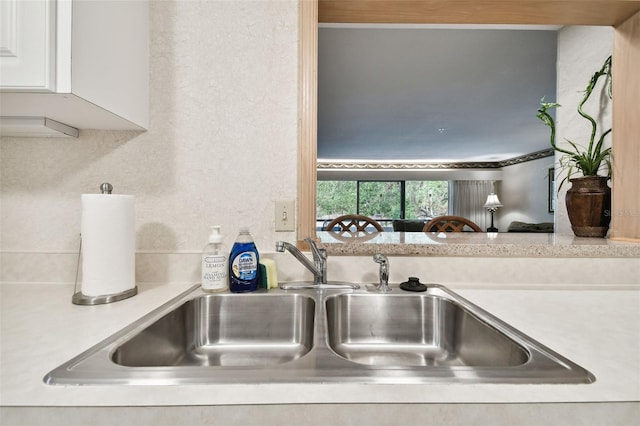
(215, 263)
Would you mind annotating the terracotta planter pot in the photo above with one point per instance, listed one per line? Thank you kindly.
(589, 206)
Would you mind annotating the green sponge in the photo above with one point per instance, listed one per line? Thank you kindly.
(268, 274)
(262, 276)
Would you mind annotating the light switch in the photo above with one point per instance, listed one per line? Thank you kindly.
(285, 215)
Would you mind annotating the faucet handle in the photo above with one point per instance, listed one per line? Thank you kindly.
(323, 253)
(317, 253)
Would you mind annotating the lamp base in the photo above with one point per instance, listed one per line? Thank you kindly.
(492, 229)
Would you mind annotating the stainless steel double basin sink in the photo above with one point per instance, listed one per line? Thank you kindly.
(307, 336)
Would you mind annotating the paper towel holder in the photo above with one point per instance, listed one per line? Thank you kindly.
(82, 299)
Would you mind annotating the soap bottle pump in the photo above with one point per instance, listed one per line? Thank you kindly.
(244, 264)
(215, 263)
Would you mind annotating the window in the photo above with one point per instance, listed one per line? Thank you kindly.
(335, 198)
(426, 199)
(382, 200)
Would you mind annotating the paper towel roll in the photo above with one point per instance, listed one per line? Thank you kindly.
(108, 244)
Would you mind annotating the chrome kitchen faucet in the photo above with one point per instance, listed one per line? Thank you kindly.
(318, 268)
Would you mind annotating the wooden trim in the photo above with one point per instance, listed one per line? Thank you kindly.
(625, 208)
(308, 121)
(563, 12)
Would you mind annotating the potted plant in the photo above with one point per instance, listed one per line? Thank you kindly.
(589, 198)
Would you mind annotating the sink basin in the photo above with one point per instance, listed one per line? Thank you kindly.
(224, 330)
(415, 330)
(318, 335)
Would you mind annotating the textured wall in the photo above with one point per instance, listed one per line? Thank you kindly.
(581, 52)
(221, 145)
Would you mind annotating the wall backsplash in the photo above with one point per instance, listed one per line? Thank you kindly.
(221, 144)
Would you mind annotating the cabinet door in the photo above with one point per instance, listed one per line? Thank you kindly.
(27, 45)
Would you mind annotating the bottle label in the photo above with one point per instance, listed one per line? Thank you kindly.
(245, 266)
(214, 272)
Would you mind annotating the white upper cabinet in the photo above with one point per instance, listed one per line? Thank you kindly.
(83, 63)
(27, 42)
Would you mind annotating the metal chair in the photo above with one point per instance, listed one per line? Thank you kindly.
(449, 224)
(353, 223)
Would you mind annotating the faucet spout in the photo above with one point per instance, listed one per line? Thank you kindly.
(317, 268)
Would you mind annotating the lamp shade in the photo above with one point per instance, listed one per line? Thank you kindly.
(492, 202)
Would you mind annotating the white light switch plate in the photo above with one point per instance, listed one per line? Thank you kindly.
(285, 215)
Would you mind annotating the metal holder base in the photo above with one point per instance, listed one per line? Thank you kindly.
(81, 299)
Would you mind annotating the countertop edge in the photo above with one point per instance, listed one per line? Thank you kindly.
(477, 245)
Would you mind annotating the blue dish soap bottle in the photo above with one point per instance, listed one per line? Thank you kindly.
(243, 264)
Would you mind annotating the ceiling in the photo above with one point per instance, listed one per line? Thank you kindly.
(416, 93)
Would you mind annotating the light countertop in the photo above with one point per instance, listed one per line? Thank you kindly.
(41, 329)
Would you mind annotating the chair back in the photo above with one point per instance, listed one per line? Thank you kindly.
(449, 224)
(353, 223)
